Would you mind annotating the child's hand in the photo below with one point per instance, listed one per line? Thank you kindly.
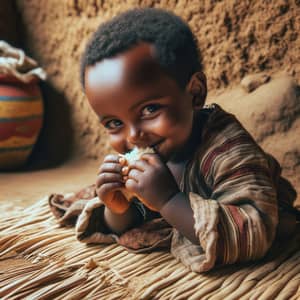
(108, 184)
(152, 181)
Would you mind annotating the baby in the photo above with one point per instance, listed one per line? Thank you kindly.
(206, 179)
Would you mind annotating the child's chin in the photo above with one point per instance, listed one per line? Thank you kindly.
(174, 156)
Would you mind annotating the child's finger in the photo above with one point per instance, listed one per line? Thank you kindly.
(131, 185)
(114, 158)
(134, 174)
(110, 167)
(122, 160)
(139, 164)
(108, 177)
(151, 158)
(109, 187)
(125, 171)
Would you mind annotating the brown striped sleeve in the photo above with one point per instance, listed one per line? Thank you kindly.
(238, 220)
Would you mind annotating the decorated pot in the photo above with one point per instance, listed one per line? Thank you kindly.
(21, 119)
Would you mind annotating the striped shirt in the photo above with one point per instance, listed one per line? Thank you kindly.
(231, 185)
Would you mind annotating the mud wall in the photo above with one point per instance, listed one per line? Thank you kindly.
(236, 37)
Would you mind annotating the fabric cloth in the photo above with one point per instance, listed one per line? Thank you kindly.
(15, 63)
(235, 191)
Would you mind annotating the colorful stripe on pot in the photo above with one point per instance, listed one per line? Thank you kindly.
(21, 118)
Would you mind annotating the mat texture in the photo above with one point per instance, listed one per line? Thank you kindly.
(40, 260)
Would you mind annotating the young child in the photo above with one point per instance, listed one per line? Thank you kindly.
(209, 192)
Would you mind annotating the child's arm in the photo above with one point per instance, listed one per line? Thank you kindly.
(119, 223)
(178, 213)
(119, 214)
(152, 181)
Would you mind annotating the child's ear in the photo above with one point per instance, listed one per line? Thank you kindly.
(198, 89)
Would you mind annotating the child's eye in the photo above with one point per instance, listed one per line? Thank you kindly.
(113, 124)
(150, 109)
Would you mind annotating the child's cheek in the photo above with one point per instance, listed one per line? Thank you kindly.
(117, 143)
(161, 125)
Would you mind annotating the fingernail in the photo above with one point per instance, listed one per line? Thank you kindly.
(124, 170)
(122, 160)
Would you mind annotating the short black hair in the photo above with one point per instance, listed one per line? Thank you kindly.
(175, 45)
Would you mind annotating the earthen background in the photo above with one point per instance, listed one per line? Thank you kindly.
(236, 38)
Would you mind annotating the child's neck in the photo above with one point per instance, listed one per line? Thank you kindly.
(177, 170)
(178, 162)
(187, 151)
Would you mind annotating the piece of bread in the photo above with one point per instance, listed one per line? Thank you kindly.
(136, 154)
(130, 157)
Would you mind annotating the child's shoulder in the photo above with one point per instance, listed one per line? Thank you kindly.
(217, 118)
(214, 109)
(221, 126)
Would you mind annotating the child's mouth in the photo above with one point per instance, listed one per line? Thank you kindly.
(155, 146)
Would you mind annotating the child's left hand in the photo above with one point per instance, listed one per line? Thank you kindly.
(152, 181)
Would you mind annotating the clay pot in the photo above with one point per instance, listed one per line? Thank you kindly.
(21, 118)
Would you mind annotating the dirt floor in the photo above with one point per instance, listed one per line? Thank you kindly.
(20, 189)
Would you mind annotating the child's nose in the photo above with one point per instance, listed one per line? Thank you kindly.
(135, 136)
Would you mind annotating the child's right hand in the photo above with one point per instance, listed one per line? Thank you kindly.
(109, 182)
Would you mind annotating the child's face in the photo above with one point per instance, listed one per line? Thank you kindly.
(139, 104)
